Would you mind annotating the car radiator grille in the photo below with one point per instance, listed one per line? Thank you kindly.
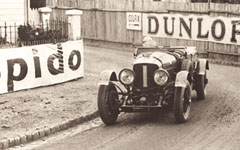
(144, 75)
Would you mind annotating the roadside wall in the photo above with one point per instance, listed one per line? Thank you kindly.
(105, 21)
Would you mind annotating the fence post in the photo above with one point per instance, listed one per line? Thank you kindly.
(15, 34)
(74, 20)
(5, 36)
(209, 3)
(45, 16)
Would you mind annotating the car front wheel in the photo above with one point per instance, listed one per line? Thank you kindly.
(201, 82)
(107, 105)
(182, 103)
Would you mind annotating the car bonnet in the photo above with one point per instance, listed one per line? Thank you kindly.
(157, 58)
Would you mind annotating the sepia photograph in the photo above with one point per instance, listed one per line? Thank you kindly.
(119, 74)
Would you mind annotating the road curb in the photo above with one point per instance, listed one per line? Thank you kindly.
(22, 139)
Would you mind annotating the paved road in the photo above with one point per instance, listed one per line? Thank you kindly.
(214, 123)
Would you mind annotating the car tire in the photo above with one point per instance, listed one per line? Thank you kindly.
(200, 87)
(107, 106)
(182, 103)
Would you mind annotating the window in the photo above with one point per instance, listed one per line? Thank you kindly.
(35, 4)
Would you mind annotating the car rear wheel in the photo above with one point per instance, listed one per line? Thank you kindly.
(182, 103)
(107, 105)
(201, 82)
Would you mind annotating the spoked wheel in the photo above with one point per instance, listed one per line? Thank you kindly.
(182, 103)
(201, 82)
(107, 104)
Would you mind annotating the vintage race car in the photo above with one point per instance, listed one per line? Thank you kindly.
(161, 77)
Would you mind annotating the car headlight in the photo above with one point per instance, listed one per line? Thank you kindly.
(161, 77)
(126, 76)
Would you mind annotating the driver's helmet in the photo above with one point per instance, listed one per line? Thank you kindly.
(147, 38)
(149, 42)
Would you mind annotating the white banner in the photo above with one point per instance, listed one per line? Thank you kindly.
(192, 27)
(34, 66)
(134, 21)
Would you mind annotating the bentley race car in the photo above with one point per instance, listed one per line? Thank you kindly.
(161, 77)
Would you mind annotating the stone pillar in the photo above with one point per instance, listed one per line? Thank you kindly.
(45, 16)
(74, 27)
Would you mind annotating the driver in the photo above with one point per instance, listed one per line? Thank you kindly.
(149, 42)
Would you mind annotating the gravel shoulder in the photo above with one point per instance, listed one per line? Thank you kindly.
(31, 110)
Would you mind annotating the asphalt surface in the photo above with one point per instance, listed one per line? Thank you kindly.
(213, 124)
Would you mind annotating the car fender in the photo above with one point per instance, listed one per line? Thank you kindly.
(202, 66)
(182, 79)
(106, 76)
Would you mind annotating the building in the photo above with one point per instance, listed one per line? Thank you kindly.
(17, 12)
